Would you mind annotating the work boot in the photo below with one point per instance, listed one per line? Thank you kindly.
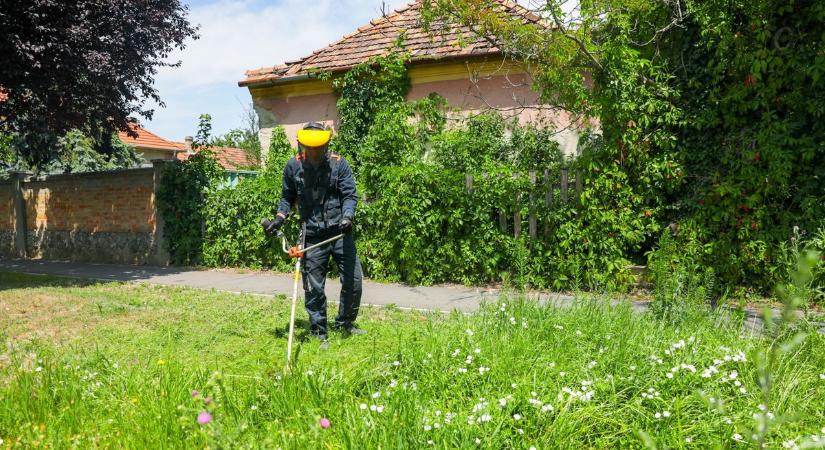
(324, 344)
(355, 331)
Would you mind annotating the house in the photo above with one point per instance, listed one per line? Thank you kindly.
(230, 158)
(470, 72)
(155, 147)
(151, 145)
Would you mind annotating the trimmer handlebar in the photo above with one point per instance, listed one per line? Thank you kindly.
(295, 251)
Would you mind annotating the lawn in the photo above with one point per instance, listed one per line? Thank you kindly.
(90, 365)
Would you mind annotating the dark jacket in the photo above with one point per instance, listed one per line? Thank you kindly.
(323, 195)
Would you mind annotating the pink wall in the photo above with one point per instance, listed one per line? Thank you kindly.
(511, 95)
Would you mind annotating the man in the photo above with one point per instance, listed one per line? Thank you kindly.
(322, 187)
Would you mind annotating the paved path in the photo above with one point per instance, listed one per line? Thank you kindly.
(440, 298)
(430, 298)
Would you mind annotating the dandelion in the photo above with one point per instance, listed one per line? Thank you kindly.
(204, 417)
(161, 362)
(324, 423)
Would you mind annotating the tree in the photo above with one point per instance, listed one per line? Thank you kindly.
(710, 112)
(85, 65)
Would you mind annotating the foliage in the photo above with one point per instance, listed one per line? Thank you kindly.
(603, 376)
(709, 114)
(84, 65)
(180, 200)
(679, 280)
(79, 154)
(363, 91)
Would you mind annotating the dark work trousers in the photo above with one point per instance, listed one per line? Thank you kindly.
(316, 263)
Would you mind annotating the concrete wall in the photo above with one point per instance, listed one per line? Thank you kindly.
(93, 217)
(470, 88)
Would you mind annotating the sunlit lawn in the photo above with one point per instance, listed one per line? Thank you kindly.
(127, 365)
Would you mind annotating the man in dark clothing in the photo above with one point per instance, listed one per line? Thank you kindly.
(322, 187)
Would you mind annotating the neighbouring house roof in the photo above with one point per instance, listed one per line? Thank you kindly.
(379, 36)
(148, 140)
(229, 158)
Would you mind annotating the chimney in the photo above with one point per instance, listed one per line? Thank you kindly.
(188, 144)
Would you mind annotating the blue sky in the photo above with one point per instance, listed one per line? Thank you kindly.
(237, 35)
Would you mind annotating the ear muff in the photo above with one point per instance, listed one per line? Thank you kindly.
(314, 138)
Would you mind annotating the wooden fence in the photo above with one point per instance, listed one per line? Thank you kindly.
(552, 182)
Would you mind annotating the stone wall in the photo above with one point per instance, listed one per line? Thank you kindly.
(91, 217)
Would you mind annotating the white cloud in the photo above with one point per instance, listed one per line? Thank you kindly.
(237, 35)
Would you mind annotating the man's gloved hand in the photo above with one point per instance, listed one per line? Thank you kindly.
(271, 227)
(346, 225)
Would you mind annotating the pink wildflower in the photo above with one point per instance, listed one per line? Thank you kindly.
(324, 423)
(204, 417)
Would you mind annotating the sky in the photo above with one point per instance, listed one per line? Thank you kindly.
(237, 35)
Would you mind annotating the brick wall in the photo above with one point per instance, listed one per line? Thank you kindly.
(95, 217)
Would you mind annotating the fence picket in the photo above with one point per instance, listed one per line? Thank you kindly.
(531, 221)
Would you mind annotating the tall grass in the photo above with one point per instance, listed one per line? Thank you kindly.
(514, 375)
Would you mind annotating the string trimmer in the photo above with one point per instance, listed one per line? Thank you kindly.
(297, 252)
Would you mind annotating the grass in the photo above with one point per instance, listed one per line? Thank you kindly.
(98, 365)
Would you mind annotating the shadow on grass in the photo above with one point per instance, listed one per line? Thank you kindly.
(10, 281)
(301, 331)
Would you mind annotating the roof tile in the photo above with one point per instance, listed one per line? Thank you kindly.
(378, 37)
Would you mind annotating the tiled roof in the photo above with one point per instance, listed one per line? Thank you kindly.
(228, 157)
(147, 139)
(379, 36)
